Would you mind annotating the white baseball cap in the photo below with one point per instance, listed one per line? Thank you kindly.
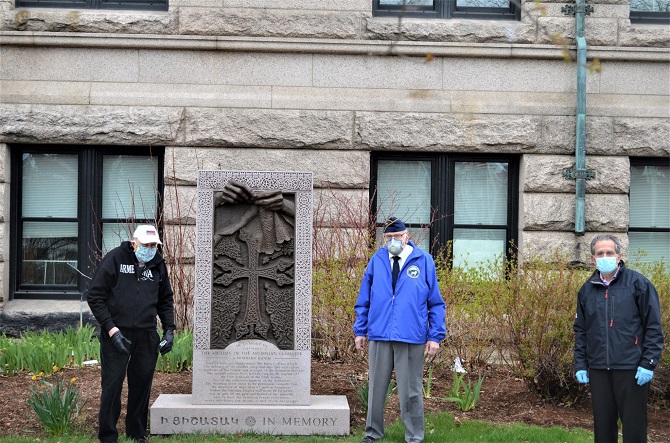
(147, 234)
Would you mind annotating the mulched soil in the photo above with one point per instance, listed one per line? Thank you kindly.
(504, 399)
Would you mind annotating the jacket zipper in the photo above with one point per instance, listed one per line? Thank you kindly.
(607, 332)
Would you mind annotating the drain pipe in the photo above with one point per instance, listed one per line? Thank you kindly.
(580, 173)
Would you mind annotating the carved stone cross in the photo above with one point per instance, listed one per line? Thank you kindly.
(253, 324)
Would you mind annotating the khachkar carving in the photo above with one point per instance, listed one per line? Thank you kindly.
(253, 266)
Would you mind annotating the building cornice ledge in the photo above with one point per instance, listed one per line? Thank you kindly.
(322, 46)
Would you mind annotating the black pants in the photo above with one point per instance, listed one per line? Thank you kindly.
(140, 367)
(615, 394)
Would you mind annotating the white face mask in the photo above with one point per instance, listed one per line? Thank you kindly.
(606, 265)
(394, 246)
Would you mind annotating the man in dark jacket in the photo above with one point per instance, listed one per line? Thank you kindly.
(402, 317)
(618, 342)
(128, 290)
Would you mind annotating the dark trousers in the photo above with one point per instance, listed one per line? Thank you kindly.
(615, 394)
(139, 367)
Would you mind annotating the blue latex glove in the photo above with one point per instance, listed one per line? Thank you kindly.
(582, 376)
(643, 375)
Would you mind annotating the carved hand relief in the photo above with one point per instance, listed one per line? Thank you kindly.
(253, 266)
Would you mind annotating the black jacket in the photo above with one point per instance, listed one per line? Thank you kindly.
(618, 327)
(124, 296)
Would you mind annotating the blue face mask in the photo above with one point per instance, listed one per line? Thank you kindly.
(394, 246)
(606, 265)
(145, 254)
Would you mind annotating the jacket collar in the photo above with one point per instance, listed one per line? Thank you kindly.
(596, 280)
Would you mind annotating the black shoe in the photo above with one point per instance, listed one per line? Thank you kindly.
(368, 439)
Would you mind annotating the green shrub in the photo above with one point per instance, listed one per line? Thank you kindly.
(659, 274)
(518, 316)
(538, 310)
(471, 326)
(335, 285)
(341, 249)
(464, 393)
(428, 381)
(362, 389)
(10, 361)
(40, 352)
(57, 405)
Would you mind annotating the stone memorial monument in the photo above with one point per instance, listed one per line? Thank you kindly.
(252, 322)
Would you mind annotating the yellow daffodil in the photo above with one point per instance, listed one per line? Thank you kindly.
(34, 377)
(72, 380)
(55, 368)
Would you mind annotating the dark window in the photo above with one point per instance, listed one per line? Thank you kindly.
(143, 5)
(477, 9)
(650, 11)
(649, 226)
(468, 200)
(70, 205)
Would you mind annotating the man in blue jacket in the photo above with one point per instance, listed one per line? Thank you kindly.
(618, 342)
(401, 313)
(129, 289)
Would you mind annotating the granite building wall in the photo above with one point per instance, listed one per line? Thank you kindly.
(318, 86)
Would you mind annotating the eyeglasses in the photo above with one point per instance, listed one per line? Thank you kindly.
(395, 235)
(609, 253)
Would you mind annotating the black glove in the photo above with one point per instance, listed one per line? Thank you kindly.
(165, 345)
(121, 343)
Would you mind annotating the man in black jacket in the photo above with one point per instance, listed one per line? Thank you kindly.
(618, 342)
(129, 288)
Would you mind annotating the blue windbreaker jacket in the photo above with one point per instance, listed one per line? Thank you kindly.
(414, 314)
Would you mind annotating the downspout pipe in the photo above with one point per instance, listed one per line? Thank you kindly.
(580, 139)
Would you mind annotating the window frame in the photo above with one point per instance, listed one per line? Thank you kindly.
(143, 5)
(646, 161)
(649, 17)
(654, 18)
(89, 189)
(442, 229)
(447, 9)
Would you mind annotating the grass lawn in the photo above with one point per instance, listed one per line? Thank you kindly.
(440, 428)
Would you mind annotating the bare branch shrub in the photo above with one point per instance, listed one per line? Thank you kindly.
(471, 327)
(537, 309)
(179, 247)
(342, 245)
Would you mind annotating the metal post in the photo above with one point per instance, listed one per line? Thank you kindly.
(580, 142)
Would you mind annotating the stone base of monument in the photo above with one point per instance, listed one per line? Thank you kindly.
(175, 414)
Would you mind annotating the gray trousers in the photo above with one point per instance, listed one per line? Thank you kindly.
(407, 359)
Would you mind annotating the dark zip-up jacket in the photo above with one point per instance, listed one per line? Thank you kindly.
(123, 295)
(618, 326)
